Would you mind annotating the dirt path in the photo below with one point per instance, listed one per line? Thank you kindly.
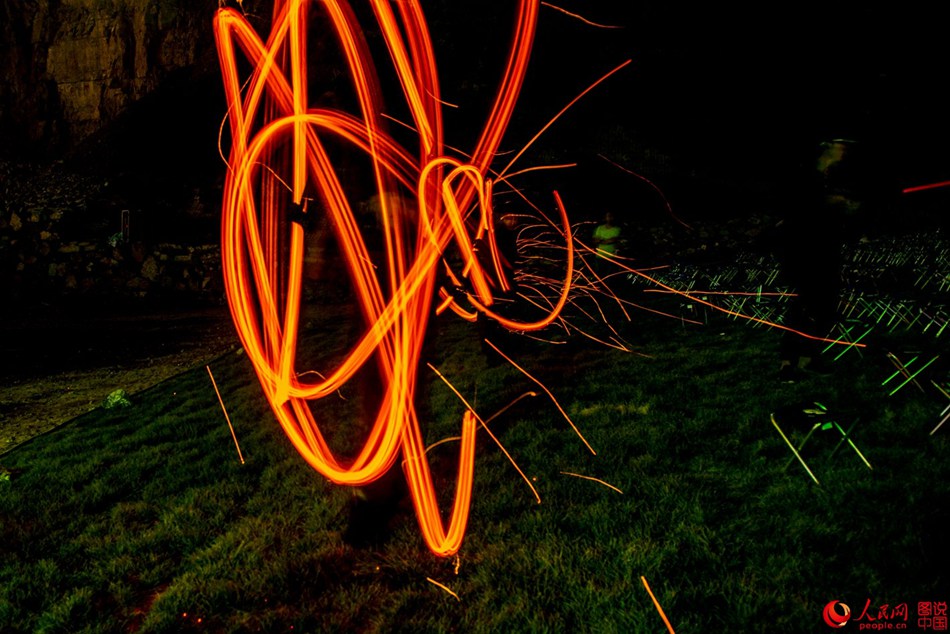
(58, 362)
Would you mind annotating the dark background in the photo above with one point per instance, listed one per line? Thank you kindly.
(738, 99)
(719, 108)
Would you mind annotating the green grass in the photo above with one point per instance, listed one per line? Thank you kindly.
(143, 519)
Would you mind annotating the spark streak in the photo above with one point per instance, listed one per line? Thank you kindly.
(546, 391)
(592, 479)
(686, 293)
(659, 608)
(669, 207)
(581, 18)
(444, 587)
(471, 411)
(225, 410)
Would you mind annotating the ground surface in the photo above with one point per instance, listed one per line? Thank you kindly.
(60, 361)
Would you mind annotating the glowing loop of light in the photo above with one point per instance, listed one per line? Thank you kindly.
(274, 130)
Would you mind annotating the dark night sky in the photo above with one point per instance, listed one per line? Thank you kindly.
(732, 95)
(728, 90)
(715, 80)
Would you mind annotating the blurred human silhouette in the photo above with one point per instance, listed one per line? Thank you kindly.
(812, 233)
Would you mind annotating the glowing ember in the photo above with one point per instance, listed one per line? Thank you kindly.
(278, 138)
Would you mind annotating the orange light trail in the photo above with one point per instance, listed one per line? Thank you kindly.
(279, 163)
(225, 410)
(279, 160)
(656, 603)
(687, 293)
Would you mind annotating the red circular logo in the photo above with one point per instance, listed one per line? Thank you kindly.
(833, 617)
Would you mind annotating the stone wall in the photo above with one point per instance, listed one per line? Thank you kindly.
(70, 67)
(60, 235)
(53, 269)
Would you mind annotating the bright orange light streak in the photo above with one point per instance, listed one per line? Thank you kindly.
(487, 420)
(225, 410)
(601, 282)
(509, 405)
(442, 442)
(538, 168)
(659, 609)
(278, 144)
(565, 291)
(560, 113)
(665, 314)
(446, 300)
(616, 345)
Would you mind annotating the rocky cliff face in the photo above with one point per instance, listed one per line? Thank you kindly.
(128, 92)
(70, 67)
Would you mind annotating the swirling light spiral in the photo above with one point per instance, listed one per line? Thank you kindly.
(274, 129)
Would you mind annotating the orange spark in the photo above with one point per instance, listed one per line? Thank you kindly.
(489, 431)
(445, 587)
(546, 391)
(225, 410)
(669, 289)
(669, 207)
(597, 480)
(582, 19)
(659, 608)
